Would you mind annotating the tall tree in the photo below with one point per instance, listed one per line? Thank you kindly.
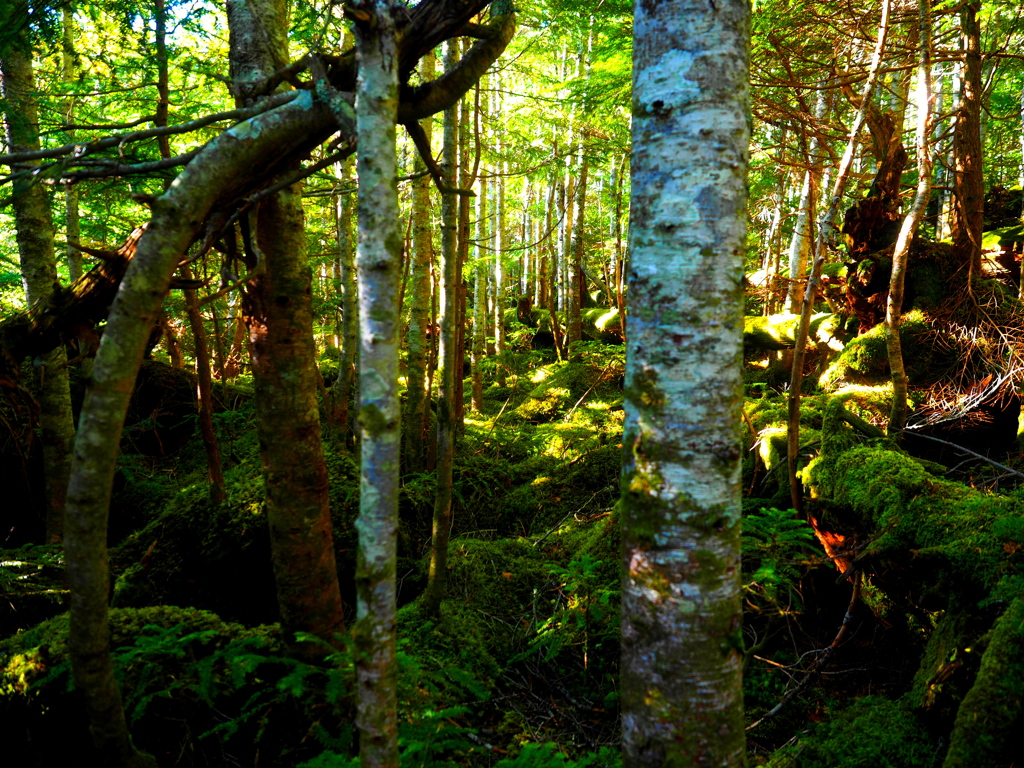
(34, 234)
(682, 701)
(279, 315)
(416, 399)
(447, 361)
(894, 305)
(967, 220)
(379, 261)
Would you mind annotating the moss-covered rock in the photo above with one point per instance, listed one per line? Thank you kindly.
(871, 733)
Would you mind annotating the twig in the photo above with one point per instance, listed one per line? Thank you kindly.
(968, 451)
(819, 661)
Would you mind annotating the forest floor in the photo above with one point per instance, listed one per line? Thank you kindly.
(521, 668)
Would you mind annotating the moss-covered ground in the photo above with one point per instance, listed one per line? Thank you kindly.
(520, 669)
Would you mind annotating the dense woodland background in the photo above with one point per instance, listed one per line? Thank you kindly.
(883, 608)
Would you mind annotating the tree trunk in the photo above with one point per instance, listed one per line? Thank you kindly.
(279, 316)
(69, 69)
(345, 383)
(577, 281)
(826, 229)
(801, 241)
(379, 264)
(215, 469)
(968, 180)
(681, 693)
(34, 235)
(417, 397)
(479, 300)
(894, 307)
(448, 364)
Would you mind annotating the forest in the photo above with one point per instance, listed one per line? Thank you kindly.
(554, 385)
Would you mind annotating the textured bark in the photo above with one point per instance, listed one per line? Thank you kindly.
(34, 235)
(378, 259)
(682, 701)
(894, 306)
(279, 316)
(967, 219)
(447, 291)
(416, 399)
(280, 321)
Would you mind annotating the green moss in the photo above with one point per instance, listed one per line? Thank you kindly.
(871, 733)
(865, 359)
(991, 710)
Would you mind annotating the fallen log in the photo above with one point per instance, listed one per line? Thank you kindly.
(70, 314)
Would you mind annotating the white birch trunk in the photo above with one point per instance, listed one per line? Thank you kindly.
(682, 701)
(378, 260)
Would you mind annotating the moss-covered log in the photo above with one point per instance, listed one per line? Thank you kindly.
(777, 332)
(957, 550)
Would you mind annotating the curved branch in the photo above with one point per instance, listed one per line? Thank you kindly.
(80, 149)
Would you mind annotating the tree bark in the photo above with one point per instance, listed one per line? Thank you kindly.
(215, 470)
(681, 693)
(417, 397)
(69, 69)
(35, 239)
(279, 316)
(967, 219)
(345, 383)
(826, 229)
(230, 166)
(894, 306)
(479, 299)
(448, 292)
(379, 263)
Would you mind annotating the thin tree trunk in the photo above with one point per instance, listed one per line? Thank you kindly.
(577, 280)
(894, 307)
(968, 179)
(448, 291)
(680, 674)
(479, 300)
(417, 397)
(215, 470)
(345, 383)
(826, 228)
(69, 71)
(620, 253)
(554, 248)
(801, 242)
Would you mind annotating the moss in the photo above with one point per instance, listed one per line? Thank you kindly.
(865, 359)
(871, 733)
(778, 332)
(991, 711)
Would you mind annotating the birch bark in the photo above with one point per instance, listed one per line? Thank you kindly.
(378, 261)
(682, 702)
